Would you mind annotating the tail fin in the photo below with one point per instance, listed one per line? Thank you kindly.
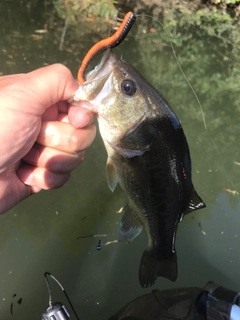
(153, 266)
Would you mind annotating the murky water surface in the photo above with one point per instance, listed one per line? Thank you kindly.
(41, 234)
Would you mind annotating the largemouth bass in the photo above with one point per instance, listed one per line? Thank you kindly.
(148, 155)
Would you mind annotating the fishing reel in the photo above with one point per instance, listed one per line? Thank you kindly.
(57, 311)
(217, 302)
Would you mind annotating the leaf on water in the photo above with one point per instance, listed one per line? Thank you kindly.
(237, 163)
(10, 63)
(68, 49)
(36, 36)
(120, 210)
(200, 226)
(152, 30)
(233, 192)
(40, 31)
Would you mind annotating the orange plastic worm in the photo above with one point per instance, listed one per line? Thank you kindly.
(107, 43)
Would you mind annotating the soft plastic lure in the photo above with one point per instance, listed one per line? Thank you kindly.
(107, 43)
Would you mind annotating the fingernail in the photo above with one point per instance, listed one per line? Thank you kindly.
(25, 175)
(88, 119)
(35, 189)
(28, 179)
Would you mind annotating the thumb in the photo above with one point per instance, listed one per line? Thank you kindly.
(51, 84)
(39, 89)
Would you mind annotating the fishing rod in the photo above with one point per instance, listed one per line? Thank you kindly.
(57, 311)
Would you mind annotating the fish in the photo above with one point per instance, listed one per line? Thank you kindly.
(148, 155)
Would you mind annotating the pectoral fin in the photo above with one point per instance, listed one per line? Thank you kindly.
(130, 225)
(128, 153)
(195, 203)
(112, 178)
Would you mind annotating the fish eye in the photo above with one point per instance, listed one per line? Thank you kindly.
(128, 87)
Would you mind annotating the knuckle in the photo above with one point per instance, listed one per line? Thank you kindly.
(55, 180)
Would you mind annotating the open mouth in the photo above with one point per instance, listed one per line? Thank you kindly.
(102, 69)
(95, 82)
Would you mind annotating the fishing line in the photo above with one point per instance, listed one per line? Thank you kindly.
(51, 305)
(196, 97)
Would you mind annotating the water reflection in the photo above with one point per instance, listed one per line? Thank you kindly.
(40, 234)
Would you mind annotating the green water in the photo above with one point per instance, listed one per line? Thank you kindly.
(41, 234)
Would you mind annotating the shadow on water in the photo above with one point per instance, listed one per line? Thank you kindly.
(40, 234)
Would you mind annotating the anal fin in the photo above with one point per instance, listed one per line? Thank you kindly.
(195, 203)
(130, 225)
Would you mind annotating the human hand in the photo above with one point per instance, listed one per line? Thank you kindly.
(42, 138)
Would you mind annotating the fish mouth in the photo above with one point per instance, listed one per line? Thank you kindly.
(95, 81)
(102, 69)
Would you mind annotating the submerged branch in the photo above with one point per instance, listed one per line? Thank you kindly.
(63, 34)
